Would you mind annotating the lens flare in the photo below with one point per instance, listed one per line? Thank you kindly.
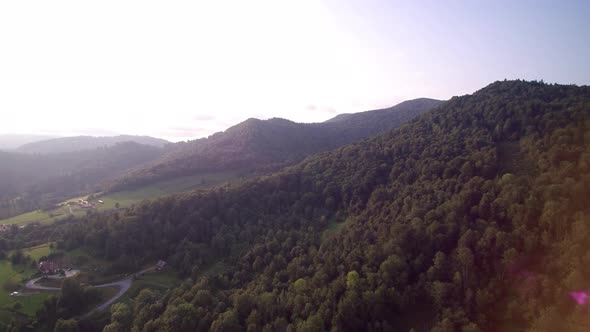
(580, 297)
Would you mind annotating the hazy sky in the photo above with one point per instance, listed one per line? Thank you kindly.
(185, 69)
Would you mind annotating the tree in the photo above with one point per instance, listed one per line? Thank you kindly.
(72, 295)
(67, 325)
(227, 321)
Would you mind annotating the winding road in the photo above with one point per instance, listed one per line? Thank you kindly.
(123, 285)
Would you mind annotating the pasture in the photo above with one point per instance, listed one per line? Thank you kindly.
(29, 303)
(123, 198)
(38, 251)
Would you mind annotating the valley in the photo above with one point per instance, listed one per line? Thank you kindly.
(120, 199)
(448, 221)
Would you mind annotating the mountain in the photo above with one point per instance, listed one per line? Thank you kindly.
(13, 141)
(473, 217)
(80, 143)
(387, 118)
(33, 181)
(262, 145)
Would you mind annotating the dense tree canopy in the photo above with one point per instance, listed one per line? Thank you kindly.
(472, 217)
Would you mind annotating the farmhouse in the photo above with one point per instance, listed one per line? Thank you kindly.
(48, 267)
(160, 265)
(85, 204)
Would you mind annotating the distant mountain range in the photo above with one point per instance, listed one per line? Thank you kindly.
(262, 145)
(44, 172)
(80, 143)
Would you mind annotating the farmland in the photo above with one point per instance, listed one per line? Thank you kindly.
(27, 304)
(122, 198)
(38, 251)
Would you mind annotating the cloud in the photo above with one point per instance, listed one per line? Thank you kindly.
(203, 117)
(330, 110)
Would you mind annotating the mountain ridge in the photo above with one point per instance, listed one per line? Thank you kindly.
(256, 145)
(86, 142)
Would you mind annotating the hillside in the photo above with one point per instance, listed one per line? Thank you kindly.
(263, 145)
(80, 143)
(473, 217)
(29, 182)
(13, 141)
(387, 118)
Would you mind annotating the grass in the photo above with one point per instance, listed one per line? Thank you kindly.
(162, 188)
(38, 251)
(123, 198)
(44, 217)
(30, 303)
(160, 281)
(39, 216)
(106, 293)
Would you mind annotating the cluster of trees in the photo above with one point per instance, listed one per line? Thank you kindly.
(32, 235)
(472, 217)
(58, 311)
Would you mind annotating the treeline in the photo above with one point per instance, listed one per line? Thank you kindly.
(470, 218)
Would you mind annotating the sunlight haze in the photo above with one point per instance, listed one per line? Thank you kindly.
(186, 69)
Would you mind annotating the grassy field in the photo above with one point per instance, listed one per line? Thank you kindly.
(124, 198)
(38, 251)
(29, 303)
(160, 281)
(162, 188)
(44, 217)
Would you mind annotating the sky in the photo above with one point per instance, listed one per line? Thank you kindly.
(185, 69)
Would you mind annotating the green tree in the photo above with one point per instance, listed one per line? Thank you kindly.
(66, 325)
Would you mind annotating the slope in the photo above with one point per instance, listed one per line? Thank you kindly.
(29, 182)
(13, 141)
(438, 235)
(258, 146)
(80, 143)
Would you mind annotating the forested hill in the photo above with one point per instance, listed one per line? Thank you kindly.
(13, 141)
(473, 217)
(387, 118)
(262, 145)
(81, 143)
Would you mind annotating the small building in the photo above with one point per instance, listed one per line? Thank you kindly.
(160, 265)
(48, 267)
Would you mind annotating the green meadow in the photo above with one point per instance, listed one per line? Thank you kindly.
(123, 198)
(28, 303)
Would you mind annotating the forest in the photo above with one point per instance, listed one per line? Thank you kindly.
(472, 217)
(262, 146)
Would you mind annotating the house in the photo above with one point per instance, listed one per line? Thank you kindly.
(84, 204)
(48, 267)
(160, 265)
